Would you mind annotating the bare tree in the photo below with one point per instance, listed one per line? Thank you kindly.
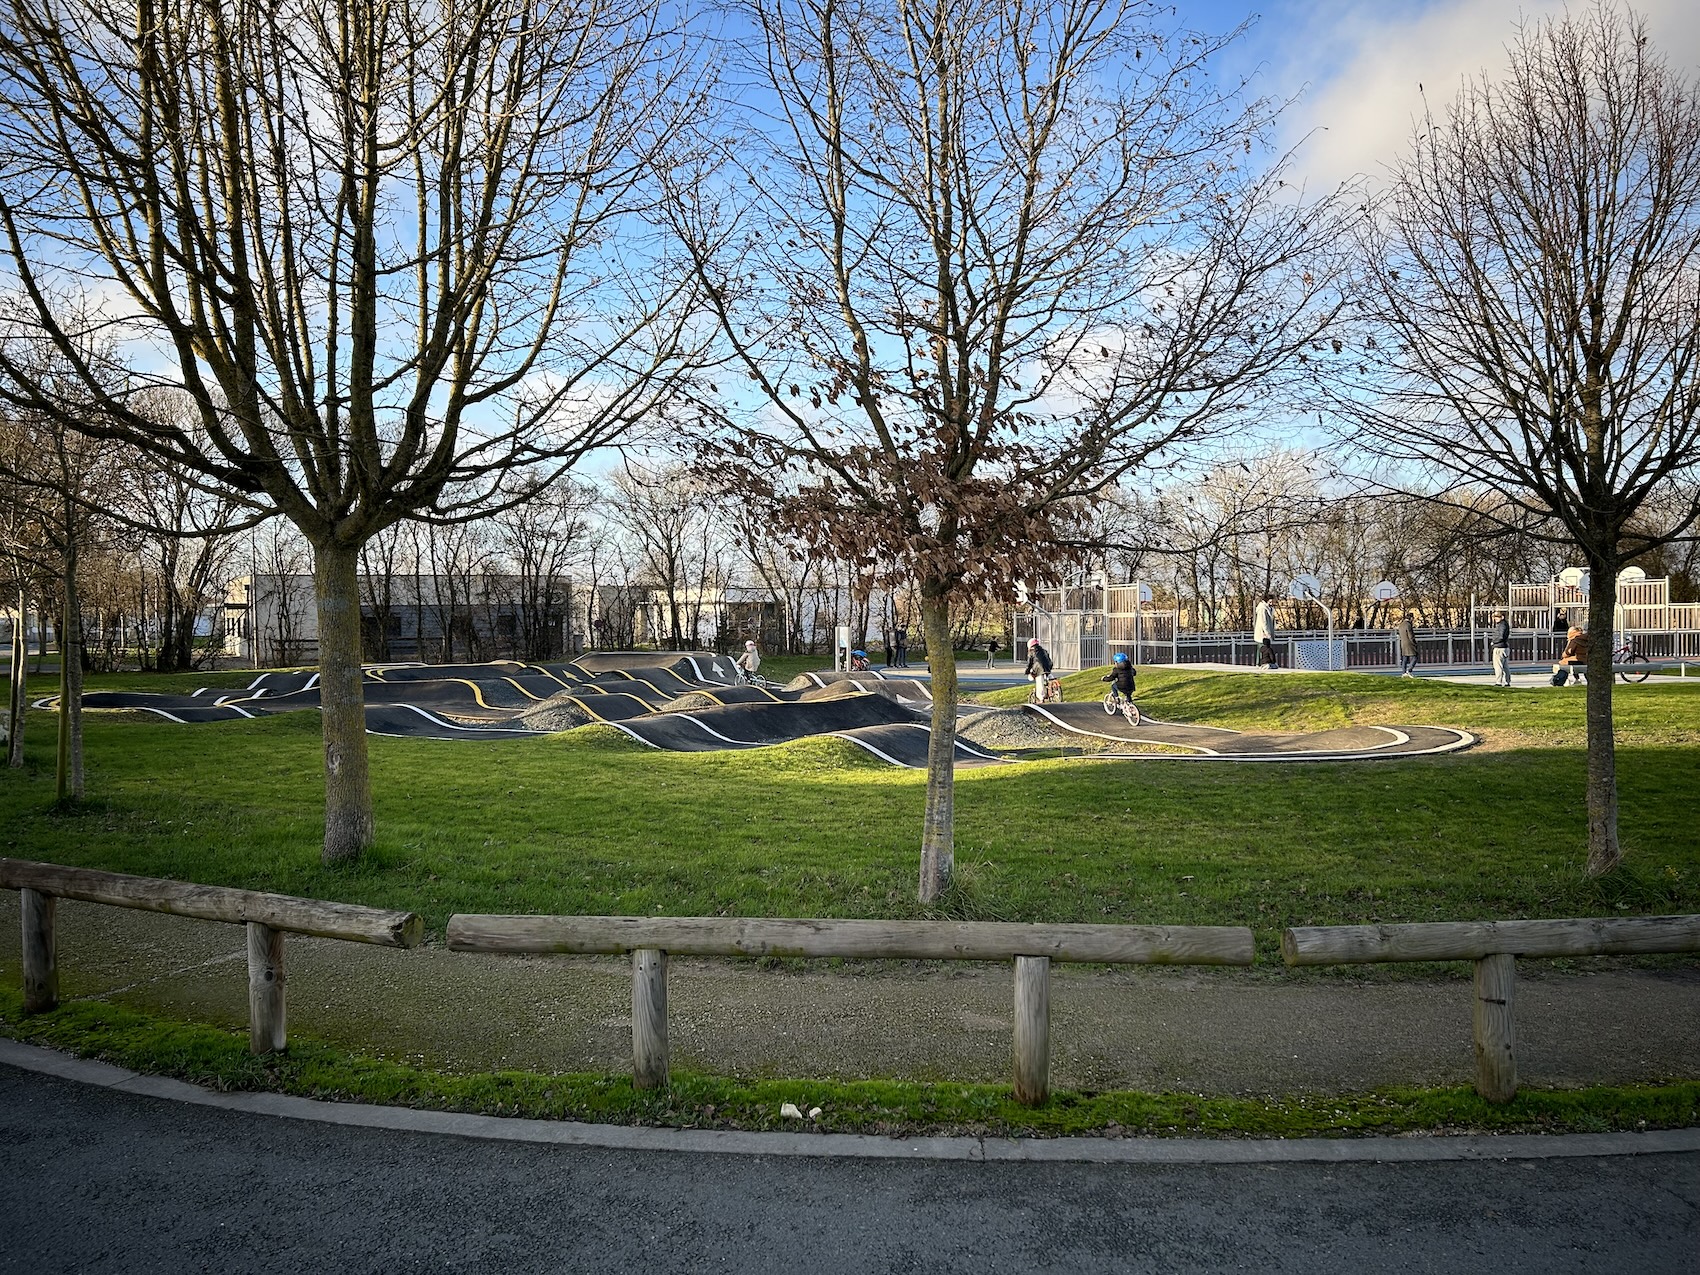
(60, 479)
(1532, 287)
(188, 530)
(665, 512)
(384, 243)
(979, 261)
(542, 540)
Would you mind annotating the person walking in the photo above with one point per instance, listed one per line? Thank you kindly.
(1039, 670)
(900, 648)
(1499, 648)
(1263, 631)
(1407, 647)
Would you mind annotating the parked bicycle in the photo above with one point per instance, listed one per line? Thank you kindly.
(1627, 654)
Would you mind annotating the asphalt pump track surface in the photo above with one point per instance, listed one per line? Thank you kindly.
(1218, 743)
(694, 701)
(637, 693)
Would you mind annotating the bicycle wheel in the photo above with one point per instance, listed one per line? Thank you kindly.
(1640, 674)
(1132, 714)
(1110, 704)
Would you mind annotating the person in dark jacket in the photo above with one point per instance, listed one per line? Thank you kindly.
(1499, 648)
(1407, 647)
(1121, 675)
(900, 648)
(1038, 668)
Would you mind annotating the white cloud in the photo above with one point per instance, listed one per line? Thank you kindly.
(1358, 65)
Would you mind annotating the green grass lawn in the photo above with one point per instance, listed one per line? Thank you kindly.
(1655, 713)
(589, 822)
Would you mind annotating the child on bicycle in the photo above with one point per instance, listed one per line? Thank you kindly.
(858, 661)
(1120, 677)
(749, 663)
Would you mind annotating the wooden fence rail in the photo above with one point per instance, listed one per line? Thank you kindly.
(1031, 948)
(1494, 946)
(267, 918)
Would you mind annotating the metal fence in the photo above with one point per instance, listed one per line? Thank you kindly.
(1086, 639)
(1079, 640)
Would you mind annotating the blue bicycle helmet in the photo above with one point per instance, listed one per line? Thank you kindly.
(1121, 657)
(861, 655)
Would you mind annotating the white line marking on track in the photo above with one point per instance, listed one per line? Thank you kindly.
(862, 743)
(967, 748)
(1120, 739)
(448, 725)
(742, 743)
(628, 730)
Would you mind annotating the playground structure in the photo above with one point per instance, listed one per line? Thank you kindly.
(1084, 627)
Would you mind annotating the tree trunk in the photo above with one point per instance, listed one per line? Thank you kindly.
(19, 684)
(1603, 850)
(938, 832)
(348, 785)
(68, 773)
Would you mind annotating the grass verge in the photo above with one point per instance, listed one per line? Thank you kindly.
(220, 1060)
(591, 823)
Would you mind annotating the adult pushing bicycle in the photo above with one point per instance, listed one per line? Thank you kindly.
(1046, 686)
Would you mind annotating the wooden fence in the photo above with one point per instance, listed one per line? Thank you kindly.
(1494, 946)
(1032, 948)
(268, 918)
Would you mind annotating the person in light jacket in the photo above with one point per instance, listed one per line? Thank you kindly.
(1407, 647)
(1263, 632)
(1499, 648)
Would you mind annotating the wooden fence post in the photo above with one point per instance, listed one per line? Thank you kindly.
(41, 964)
(1496, 1027)
(1032, 1029)
(266, 1017)
(649, 1018)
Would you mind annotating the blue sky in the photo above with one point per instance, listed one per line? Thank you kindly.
(1355, 65)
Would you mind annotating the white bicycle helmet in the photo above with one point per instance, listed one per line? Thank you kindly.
(749, 646)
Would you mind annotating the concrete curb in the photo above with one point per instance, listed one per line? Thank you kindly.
(49, 1062)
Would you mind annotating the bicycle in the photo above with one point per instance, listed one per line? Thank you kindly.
(1052, 692)
(1114, 703)
(1627, 654)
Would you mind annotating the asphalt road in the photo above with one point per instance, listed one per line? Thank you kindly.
(97, 1180)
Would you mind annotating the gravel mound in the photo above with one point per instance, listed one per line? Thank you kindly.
(691, 702)
(1013, 728)
(558, 712)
